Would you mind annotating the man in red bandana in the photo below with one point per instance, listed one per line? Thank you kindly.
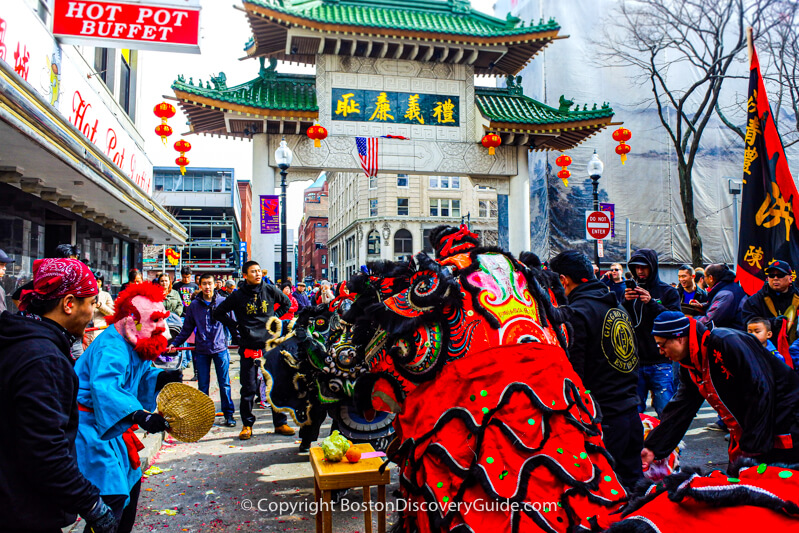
(41, 485)
(118, 387)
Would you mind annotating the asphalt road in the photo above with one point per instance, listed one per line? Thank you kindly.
(209, 485)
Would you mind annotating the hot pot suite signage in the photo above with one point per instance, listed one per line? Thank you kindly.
(395, 108)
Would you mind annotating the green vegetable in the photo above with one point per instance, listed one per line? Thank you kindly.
(335, 446)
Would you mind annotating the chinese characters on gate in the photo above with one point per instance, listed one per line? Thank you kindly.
(396, 108)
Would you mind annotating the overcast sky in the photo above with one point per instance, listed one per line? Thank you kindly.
(224, 31)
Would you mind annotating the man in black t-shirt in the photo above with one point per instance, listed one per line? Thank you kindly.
(185, 287)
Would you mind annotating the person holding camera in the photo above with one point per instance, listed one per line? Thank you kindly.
(644, 299)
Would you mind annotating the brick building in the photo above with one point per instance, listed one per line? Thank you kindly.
(312, 242)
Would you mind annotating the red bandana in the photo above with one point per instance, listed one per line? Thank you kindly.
(55, 278)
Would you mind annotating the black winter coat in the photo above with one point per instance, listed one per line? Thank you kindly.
(603, 351)
(41, 486)
(252, 305)
(760, 391)
(756, 306)
(664, 298)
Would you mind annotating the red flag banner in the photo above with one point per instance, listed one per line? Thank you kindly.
(769, 227)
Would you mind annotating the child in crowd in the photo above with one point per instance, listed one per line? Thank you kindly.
(761, 329)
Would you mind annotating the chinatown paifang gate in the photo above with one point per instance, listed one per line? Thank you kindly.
(395, 68)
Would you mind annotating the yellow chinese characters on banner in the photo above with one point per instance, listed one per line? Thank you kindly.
(775, 210)
(382, 108)
(346, 106)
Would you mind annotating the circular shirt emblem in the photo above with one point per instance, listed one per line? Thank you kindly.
(618, 341)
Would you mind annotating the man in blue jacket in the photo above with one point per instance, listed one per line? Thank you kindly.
(726, 298)
(210, 343)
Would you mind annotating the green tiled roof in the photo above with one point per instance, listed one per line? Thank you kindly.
(508, 104)
(270, 90)
(450, 17)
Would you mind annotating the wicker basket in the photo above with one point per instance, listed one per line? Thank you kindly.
(190, 413)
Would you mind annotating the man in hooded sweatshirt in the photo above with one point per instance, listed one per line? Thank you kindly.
(644, 303)
(41, 486)
(604, 355)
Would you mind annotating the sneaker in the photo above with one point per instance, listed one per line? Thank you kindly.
(305, 448)
(246, 433)
(230, 422)
(284, 430)
(715, 426)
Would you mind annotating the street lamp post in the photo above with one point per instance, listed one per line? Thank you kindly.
(283, 157)
(595, 168)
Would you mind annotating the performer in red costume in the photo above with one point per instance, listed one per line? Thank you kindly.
(118, 386)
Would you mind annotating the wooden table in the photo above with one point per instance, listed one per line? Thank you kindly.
(345, 475)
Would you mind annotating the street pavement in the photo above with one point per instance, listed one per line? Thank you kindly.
(207, 486)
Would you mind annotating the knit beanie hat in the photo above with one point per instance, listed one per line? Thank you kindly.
(670, 325)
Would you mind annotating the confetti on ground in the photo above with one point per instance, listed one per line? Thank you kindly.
(209, 492)
(168, 512)
(153, 470)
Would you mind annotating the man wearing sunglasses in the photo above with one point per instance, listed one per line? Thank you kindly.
(777, 299)
(755, 394)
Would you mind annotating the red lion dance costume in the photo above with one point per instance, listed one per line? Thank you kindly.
(495, 430)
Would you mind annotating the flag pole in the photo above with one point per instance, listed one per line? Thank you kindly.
(750, 47)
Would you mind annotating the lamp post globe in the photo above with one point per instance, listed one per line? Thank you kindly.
(283, 158)
(595, 169)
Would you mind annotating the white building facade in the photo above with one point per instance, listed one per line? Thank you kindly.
(390, 216)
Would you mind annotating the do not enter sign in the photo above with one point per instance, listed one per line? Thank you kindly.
(597, 225)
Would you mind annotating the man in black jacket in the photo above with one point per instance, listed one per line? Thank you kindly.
(726, 299)
(755, 394)
(41, 487)
(604, 355)
(650, 298)
(253, 304)
(778, 298)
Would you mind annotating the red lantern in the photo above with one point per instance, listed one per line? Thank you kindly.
(164, 111)
(317, 133)
(622, 135)
(182, 146)
(182, 162)
(564, 161)
(491, 141)
(163, 131)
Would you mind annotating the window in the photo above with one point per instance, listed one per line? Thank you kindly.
(443, 207)
(373, 182)
(373, 243)
(487, 209)
(101, 64)
(373, 207)
(402, 206)
(426, 246)
(324, 259)
(445, 182)
(124, 83)
(403, 242)
(402, 180)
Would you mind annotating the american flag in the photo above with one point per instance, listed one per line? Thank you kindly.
(367, 151)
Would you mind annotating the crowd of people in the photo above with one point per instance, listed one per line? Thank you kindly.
(705, 340)
(631, 336)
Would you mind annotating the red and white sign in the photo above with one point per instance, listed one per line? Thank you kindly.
(597, 225)
(52, 72)
(160, 26)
